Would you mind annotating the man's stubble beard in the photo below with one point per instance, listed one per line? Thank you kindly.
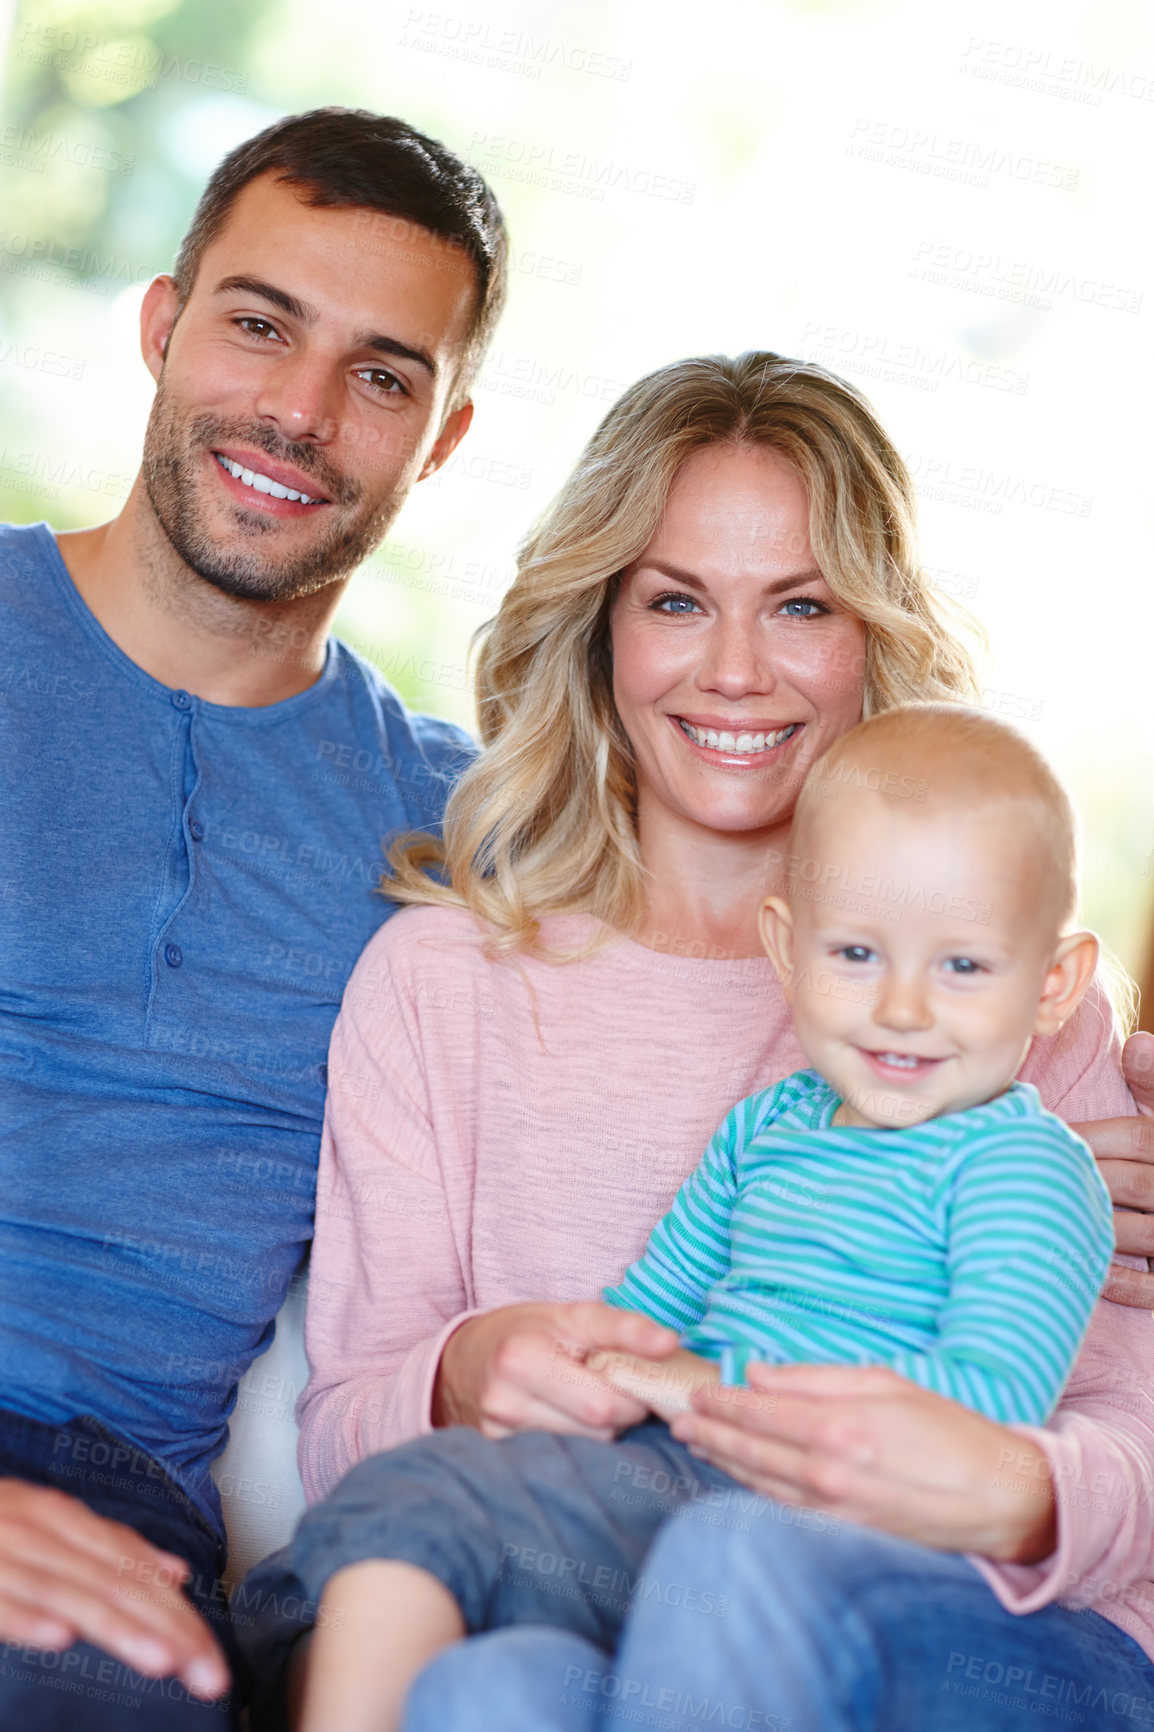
(174, 448)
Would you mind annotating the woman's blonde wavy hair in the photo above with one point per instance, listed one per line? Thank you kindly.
(543, 821)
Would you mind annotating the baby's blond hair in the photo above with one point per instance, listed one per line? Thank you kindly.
(937, 755)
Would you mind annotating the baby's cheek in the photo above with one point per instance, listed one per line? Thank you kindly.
(835, 1002)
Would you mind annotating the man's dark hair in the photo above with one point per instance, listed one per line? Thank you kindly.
(349, 157)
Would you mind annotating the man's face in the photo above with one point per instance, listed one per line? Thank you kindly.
(302, 390)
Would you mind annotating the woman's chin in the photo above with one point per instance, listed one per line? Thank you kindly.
(730, 805)
(733, 818)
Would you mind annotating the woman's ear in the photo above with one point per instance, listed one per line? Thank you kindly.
(1070, 972)
(775, 923)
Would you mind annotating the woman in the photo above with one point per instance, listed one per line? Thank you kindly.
(526, 1067)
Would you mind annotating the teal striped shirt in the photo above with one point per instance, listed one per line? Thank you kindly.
(966, 1253)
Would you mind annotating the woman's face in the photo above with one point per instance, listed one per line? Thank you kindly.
(733, 666)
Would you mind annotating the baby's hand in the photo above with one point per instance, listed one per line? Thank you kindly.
(665, 1385)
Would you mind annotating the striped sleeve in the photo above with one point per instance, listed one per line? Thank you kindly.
(688, 1250)
(1031, 1234)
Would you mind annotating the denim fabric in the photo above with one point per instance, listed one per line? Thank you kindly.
(844, 1630)
(84, 1689)
(536, 1528)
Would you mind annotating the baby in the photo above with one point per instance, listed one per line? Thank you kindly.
(904, 1202)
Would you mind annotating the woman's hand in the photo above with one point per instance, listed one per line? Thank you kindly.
(521, 1368)
(1124, 1149)
(860, 1442)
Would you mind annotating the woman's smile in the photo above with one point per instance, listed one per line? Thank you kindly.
(719, 740)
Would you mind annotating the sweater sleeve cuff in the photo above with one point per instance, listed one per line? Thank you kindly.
(1022, 1588)
(410, 1410)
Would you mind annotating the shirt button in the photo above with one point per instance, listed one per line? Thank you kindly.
(196, 830)
(181, 700)
(173, 955)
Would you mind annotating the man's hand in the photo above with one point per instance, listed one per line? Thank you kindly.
(522, 1368)
(68, 1575)
(1124, 1149)
(862, 1443)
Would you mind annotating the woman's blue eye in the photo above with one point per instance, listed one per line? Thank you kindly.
(799, 601)
(673, 604)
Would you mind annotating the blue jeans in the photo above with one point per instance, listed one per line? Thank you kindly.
(85, 1689)
(537, 1528)
(842, 1630)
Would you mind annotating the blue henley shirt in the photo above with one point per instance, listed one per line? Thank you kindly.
(184, 888)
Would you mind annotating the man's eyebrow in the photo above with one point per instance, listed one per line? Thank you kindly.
(306, 314)
(299, 310)
(691, 581)
(393, 346)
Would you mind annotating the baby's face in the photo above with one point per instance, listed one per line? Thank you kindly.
(920, 948)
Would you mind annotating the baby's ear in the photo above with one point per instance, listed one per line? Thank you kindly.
(775, 922)
(1070, 973)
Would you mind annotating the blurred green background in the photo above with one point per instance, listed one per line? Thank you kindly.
(947, 210)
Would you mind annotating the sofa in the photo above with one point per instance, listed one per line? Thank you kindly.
(257, 1476)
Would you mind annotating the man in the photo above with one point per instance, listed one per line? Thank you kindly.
(190, 873)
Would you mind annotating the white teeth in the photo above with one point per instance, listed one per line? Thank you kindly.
(904, 1061)
(262, 483)
(724, 741)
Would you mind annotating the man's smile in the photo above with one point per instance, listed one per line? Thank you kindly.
(263, 484)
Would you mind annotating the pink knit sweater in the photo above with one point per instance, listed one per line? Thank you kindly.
(500, 1132)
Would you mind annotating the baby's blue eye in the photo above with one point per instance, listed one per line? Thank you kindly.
(964, 965)
(856, 953)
